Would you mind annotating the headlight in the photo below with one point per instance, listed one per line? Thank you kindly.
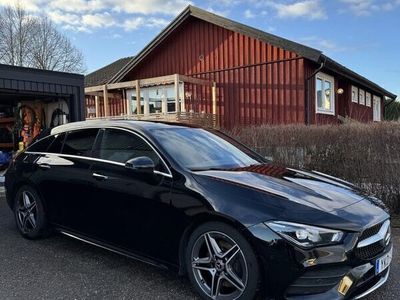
(304, 235)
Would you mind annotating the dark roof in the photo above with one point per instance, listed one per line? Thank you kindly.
(346, 72)
(36, 72)
(103, 75)
(311, 54)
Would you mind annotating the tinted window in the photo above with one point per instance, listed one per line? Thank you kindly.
(120, 146)
(41, 145)
(57, 144)
(80, 142)
(198, 149)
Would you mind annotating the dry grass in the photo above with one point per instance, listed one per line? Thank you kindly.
(367, 155)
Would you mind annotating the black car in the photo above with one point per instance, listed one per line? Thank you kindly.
(196, 201)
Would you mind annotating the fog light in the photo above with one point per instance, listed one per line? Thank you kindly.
(345, 285)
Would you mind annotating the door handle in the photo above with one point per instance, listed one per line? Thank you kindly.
(99, 176)
(44, 166)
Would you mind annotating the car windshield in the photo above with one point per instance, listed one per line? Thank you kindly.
(198, 149)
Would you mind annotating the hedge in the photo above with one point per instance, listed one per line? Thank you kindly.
(367, 155)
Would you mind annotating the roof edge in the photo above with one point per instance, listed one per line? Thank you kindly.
(346, 72)
(304, 51)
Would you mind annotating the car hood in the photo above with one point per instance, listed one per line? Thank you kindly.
(312, 189)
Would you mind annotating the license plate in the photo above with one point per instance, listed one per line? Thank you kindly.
(383, 262)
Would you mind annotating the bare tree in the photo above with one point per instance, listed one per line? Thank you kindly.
(15, 36)
(31, 41)
(52, 50)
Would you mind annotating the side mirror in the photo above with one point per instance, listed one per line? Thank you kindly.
(142, 164)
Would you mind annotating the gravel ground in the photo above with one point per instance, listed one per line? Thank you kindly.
(63, 268)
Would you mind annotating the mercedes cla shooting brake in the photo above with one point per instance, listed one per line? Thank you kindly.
(198, 202)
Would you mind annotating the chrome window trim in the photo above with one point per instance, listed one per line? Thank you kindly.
(169, 174)
(95, 159)
(381, 235)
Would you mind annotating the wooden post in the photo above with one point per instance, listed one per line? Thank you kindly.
(138, 97)
(146, 110)
(105, 95)
(176, 82)
(214, 98)
(183, 104)
(128, 103)
(96, 105)
(214, 103)
(164, 104)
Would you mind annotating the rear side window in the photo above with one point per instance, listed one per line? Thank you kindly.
(121, 146)
(57, 143)
(41, 145)
(80, 142)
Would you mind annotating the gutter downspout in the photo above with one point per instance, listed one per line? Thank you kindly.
(308, 89)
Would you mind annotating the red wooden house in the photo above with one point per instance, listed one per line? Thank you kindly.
(254, 78)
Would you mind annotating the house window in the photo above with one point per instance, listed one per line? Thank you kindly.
(354, 94)
(325, 96)
(368, 99)
(361, 97)
(377, 108)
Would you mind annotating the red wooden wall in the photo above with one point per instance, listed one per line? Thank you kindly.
(250, 90)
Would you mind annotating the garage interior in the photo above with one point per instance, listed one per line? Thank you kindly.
(33, 101)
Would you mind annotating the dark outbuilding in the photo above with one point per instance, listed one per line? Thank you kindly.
(33, 100)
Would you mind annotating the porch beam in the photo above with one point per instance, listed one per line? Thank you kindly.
(122, 85)
(91, 89)
(157, 80)
(194, 80)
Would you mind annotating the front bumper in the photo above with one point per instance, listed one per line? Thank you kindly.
(293, 273)
(363, 278)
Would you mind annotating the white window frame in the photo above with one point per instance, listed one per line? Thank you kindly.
(361, 96)
(354, 94)
(325, 77)
(368, 99)
(377, 115)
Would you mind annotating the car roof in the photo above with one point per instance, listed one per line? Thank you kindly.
(128, 124)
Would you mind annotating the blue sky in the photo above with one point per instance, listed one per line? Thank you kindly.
(361, 34)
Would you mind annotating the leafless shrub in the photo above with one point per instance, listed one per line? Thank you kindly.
(367, 155)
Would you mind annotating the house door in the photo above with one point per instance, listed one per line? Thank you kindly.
(377, 109)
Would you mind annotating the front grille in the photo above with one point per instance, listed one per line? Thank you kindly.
(376, 241)
(370, 251)
(370, 232)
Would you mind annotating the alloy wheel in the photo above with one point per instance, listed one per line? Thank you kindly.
(27, 212)
(219, 266)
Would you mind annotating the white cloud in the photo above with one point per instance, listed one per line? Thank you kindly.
(78, 5)
(367, 7)
(64, 18)
(311, 9)
(98, 20)
(171, 7)
(30, 5)
(323, 44)
(88, 15)
(248, 14)
(136, 23)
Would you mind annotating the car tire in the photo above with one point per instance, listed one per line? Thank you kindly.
(221, 263)
(30, 215)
